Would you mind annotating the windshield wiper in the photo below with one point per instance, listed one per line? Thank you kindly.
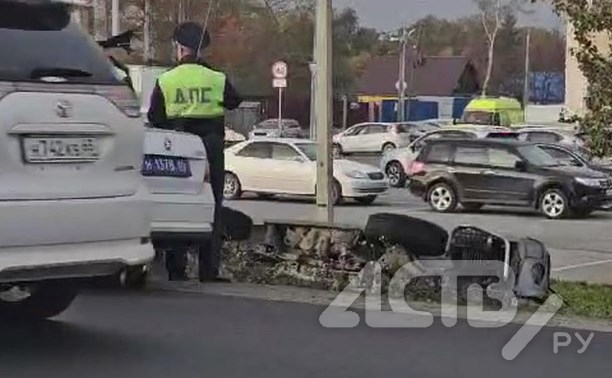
(65, 72)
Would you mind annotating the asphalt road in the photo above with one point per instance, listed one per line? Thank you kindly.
(581, 249)
(170, 334)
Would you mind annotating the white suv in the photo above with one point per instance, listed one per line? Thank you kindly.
(73, 204)
(176, 171)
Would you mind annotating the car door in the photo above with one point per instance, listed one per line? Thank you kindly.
(349, 140)
(250, 163)
(374, 137)
(470, 167)
(289, 171)
(503, 181)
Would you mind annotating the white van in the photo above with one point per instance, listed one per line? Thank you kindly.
(73, 204)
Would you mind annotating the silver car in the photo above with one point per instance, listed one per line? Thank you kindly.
(396, 164)
(376, 137)
(290, 128)
(565, 135)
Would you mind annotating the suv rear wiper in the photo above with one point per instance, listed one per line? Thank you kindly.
(37, 73)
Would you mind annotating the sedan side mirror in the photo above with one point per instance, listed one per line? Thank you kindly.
(520, 166)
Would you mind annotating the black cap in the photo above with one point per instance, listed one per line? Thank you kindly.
(189, 34)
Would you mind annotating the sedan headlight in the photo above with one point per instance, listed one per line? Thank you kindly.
(356, 175)
(589, 181)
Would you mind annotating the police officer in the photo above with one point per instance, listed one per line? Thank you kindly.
(192, 97)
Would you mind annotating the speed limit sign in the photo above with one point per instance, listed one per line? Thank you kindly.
(279, 70)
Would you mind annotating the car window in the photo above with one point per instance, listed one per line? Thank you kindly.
(542, 137)
(405, 128)
(44, 42)
(502, 158)
(354, 130)
(260, 150)
(471, 155)
(375, 129)
(281, 151)
(561, 155)
(439, 153)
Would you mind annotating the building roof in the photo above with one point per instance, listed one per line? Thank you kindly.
(437, 76)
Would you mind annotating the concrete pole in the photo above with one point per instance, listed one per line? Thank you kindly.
(115, 18)
(527, 64)
(401, 80)
(323, 105)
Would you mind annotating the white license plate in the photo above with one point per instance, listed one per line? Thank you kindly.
(60, 149)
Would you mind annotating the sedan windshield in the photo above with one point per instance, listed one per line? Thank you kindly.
(309, 149)
(538, 157)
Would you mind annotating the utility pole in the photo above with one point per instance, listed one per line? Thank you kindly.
(115, 18)
(527, 64)
(323, 105)
(313, 89)
(401, 81)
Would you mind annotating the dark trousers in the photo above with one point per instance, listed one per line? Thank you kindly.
(210, 253)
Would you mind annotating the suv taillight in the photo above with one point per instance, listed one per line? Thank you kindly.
(416, 167)
(122, 97)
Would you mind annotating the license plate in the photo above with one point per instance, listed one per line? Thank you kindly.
(166, 166)
(60, 149)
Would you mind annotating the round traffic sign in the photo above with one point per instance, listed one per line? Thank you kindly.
(279, 70)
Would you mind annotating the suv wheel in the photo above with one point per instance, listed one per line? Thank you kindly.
(554, 204)
(388, 147)
(337, 151)
(442, 198)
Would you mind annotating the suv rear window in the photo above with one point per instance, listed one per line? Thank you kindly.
(39, 39)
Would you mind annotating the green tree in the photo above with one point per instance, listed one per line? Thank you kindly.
(588, 19)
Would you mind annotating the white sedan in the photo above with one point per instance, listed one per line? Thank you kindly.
(271, 166)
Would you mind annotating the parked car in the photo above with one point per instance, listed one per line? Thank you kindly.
(565, 135)
(176, 171)
(232, 137)
(396, 163)
(373, 137)
(288, 166)
(73, 203)
(290, 128)
(480, 172)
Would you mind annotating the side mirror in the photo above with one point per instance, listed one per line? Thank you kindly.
(520, 166)
(299, 159)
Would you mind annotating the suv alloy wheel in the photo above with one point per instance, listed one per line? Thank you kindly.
(442, 198)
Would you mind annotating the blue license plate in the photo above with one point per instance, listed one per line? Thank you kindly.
(165, 166)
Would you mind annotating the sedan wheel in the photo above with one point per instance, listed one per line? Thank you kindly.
(554, 204)
(396, 175)
(388, 147)
(336, 151)
(442, 198)
(231, 187)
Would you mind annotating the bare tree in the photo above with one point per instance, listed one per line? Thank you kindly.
(492, 13)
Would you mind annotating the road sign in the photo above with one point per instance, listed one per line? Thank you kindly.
(279, 70)
(279, 83)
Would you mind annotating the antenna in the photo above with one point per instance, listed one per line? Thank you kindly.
(205, 26)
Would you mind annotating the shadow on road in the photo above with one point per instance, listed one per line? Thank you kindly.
(27, 341)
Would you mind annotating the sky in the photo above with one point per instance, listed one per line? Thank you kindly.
(390, 14)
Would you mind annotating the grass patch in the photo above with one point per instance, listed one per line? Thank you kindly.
(585, 300)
